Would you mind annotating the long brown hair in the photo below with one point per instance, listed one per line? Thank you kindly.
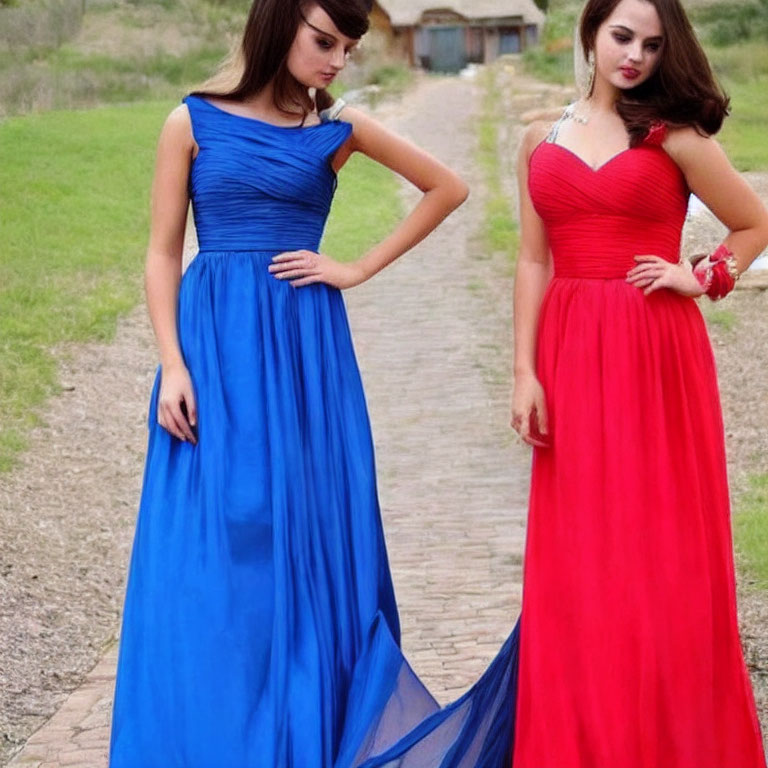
(261, 57)
(682, 91)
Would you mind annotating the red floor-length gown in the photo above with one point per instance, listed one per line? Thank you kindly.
(629, 650)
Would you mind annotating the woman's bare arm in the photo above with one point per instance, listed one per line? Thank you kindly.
(532, 275)
(712, 178)
(443, 192)
(170, 202)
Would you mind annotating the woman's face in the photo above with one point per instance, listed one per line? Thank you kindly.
(319, 51)
(628, 44)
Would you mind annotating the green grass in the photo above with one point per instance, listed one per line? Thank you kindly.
(741, 63)
(750, 525)
(74, 218)
(722, 318)
(55, 74)
(743, 71)
(729, 23)
(500, 226)
(193, 66)
(550, 66)
(390, 79)
(75, 212)
(366, 207)
(395, 77)
(67, 78)
(42, 72)
(744, 132)
(553, 60)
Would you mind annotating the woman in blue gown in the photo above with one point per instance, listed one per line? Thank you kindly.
(260, 628)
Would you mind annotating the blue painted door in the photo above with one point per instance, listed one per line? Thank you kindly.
(509, 41)
(446, 49)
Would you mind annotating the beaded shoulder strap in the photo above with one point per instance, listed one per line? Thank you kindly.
(555, 129)
(333, 112)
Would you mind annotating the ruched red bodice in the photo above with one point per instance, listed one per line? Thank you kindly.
(598, 220)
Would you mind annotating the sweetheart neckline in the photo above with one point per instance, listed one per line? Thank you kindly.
(582, 160)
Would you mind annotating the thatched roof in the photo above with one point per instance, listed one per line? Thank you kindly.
(407, 13)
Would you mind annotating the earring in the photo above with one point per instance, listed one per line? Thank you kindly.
(590, 73)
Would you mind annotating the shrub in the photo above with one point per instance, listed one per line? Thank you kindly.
(732, 23)
(41, 24)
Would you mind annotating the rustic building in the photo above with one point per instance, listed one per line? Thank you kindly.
(446, 35)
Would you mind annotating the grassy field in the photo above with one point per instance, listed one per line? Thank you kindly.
(552, 61)
(366, 207)
(743, 71)
(75, 183)
(74, 187)
(122, 52)
(75, 216)
(142, 50)
(744, 133)
(751, 531)
(500, 225)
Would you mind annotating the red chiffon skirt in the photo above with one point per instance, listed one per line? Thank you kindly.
(629, 653)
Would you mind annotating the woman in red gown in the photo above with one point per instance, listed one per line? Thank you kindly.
(629, 650)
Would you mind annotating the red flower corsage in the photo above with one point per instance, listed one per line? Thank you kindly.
(717, 273)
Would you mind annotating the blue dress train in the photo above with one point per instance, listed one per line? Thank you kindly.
(260, 627)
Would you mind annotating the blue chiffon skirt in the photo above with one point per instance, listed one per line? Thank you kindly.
(260, 627)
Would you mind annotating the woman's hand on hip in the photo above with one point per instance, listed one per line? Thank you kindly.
(529, 411)
(306, 267)
(653, 272)
(176, 408)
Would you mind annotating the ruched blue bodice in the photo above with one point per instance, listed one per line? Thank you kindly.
(256, 186)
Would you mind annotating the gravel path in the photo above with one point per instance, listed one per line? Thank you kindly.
(432, 338)
(742, 361)
(432, 335)
(66, 516)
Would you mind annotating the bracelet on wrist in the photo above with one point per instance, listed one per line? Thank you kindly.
(718, 273)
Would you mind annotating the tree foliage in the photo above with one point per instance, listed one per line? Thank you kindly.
(733, 23)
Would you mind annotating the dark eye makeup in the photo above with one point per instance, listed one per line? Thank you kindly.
(326, 45)
(623, 37)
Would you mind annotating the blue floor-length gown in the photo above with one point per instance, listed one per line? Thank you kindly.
(260, 628)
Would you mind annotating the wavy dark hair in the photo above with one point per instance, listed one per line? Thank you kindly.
(261, 57)
(682, 91)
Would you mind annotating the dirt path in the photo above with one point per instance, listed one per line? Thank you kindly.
(66, 516)
(432, 339)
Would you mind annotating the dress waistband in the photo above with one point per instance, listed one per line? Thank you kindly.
(596, 266)
(261, 251)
